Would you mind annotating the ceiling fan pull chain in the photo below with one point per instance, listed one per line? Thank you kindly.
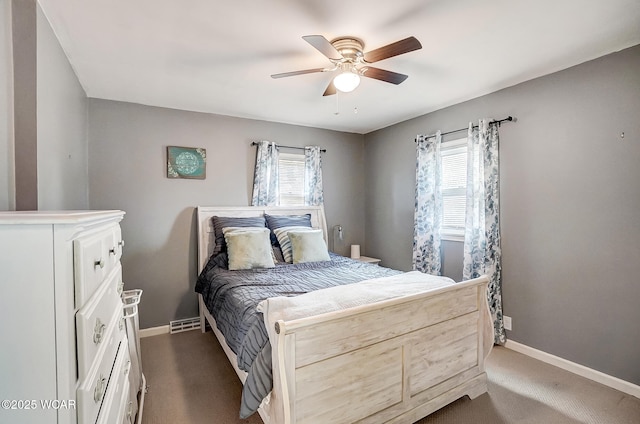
(337, 112)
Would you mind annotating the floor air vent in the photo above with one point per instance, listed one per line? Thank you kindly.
(184, 325)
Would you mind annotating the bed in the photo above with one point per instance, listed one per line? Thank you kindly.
(392, 359)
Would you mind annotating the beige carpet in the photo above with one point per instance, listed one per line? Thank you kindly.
(191, 381)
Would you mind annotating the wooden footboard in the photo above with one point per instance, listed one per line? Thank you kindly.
(393, 361)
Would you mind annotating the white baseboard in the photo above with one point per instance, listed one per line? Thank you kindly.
(581, 370)
(153, 331)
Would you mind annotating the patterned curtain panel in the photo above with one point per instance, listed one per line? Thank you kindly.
(312, 176)
(428, 205)
(265, 179)
(482, 252)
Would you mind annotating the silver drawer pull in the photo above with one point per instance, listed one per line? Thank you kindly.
(121, 243)
(98, 392)
(112, 251)
(120, 287)
(130, 410)
(121, 323)
(98, 331)
(127, 368)
(98, 263)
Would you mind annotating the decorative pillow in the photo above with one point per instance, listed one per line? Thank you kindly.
(279, 221)
(226, 230)
(308, 246)
(219, 222)
(248, 248)
(285, 243)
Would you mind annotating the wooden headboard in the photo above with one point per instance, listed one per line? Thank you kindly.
(205, 225)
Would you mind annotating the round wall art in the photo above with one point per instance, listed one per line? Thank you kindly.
(186, 162)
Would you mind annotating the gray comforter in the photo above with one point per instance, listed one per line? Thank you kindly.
(232, 298)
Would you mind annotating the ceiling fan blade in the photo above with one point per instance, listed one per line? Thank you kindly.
(323, 46)
(290, 74)
(331, 89)
(394, 49)
(382, 75)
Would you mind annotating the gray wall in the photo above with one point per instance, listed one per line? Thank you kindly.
(63, 180)
(570, 207)
(44, 106)
(6, 109)
(127, 170)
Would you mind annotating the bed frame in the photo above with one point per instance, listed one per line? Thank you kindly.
(393, 361)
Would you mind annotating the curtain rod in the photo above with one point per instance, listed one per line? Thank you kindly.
(289, 147)
(500, 121)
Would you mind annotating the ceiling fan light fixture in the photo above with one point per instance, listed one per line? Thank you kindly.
(346, 81)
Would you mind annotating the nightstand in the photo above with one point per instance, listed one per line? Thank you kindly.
(368, 260)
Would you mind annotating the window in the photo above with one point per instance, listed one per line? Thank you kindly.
(291, 179)
(454, 188)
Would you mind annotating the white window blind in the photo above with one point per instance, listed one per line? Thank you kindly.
(454, 187)
(291, 179)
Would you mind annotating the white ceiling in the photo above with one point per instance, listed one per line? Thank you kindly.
(217, 56)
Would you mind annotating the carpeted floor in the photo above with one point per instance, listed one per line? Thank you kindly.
(191, 382)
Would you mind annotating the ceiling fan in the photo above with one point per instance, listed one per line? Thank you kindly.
(346, 55)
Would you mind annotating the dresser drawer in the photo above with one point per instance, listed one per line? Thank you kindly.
(92, 389)
(97, 319)
(114, 407)
(95, 256)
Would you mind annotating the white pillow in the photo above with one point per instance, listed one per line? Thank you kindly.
(308, 246)
(285, 243)
(248, 247)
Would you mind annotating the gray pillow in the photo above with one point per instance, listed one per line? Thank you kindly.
(219, 222)
(277, 254)
(279, 221)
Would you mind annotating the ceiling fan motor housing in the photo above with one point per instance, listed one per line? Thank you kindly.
(350, 48)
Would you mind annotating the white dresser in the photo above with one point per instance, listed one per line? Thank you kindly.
(64, 356)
